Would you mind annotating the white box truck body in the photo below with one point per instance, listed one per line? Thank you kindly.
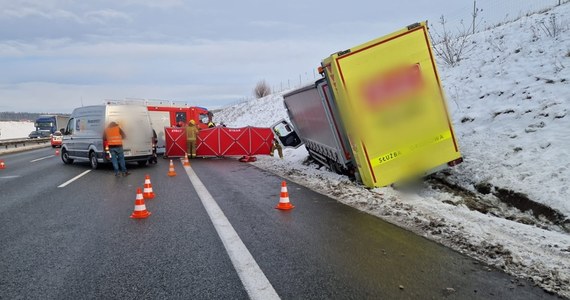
(83, 135)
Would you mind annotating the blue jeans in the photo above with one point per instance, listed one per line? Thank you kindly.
(118, 159)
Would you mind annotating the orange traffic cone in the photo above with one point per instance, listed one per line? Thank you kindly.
(284, 203)
(56, 152)
(140, 211)
(186, 161)
(171, 171)
(2, 165)
(147, 191)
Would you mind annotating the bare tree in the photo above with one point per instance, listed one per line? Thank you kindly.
(552, 27)
(261, 89)
(451, 46)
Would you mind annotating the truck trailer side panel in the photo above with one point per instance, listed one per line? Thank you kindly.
(390, 98)
(312, 118)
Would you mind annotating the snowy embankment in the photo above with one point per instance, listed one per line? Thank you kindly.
(509, 100)
(15, 130)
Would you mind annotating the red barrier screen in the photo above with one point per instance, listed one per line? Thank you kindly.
(222, 141)
(175, 138)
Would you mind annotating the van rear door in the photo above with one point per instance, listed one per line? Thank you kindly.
(135, 122)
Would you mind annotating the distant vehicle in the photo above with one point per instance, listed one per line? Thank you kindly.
(83, 135)
(56, 139)
(50, 123)
(39, 134)
(379, 113)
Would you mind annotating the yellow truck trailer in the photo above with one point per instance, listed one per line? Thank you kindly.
(387, 103)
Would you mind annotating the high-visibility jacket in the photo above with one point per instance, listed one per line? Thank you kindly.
(191, 132)
(113, 135)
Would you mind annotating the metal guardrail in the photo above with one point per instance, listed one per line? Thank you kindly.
(21, 142)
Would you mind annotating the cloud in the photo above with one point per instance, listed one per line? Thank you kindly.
(50, 14)
(55, 11)
(42, 97)
(162, 4)
(270, 24)
(106, 15)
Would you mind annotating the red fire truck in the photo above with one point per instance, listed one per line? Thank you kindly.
(170, 114)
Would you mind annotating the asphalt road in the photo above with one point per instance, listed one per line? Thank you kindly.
(78, 242)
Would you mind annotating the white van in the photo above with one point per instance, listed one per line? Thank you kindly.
(83, 135)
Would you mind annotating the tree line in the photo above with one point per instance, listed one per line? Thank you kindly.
(22, 116)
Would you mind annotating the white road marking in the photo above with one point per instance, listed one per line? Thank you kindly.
(73, 179)
(9, 176)
(251, 275)
(38, 159)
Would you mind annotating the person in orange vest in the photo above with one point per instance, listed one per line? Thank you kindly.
(191, 135)
(114, 136)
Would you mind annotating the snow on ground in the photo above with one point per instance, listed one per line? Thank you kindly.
(509, 102)
(14, 130)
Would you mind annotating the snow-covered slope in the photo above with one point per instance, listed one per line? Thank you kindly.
(509, 100)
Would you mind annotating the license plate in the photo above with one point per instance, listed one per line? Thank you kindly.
(127, 153)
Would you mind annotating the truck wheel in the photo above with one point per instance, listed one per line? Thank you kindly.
(65, 158)
(334, 166)
(93, 160)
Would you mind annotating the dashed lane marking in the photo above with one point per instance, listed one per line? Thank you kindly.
(73, 179)
(251, 275)
(41, 158)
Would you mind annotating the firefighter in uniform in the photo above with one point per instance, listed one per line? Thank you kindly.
(276, 145)
(114, 136)
(191, 135)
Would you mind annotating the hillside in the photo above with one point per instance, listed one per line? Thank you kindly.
(508, 204)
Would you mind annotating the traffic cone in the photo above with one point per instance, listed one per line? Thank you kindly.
(56, 152)
(284, 203)
(2, 165)
(147, 191)
(140, 211)
(171, 171)
(186, 161)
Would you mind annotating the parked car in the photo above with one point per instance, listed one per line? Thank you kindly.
(56, 139)
(39, 134)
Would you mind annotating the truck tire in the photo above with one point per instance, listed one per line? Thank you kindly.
(65, 157)
(93, 160)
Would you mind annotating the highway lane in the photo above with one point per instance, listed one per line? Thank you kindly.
(78, 241)
(23, 180)
(324, 249)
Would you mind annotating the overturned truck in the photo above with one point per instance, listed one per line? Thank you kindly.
(378, 114)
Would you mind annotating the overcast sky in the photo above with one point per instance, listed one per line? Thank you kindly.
(56, 55)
